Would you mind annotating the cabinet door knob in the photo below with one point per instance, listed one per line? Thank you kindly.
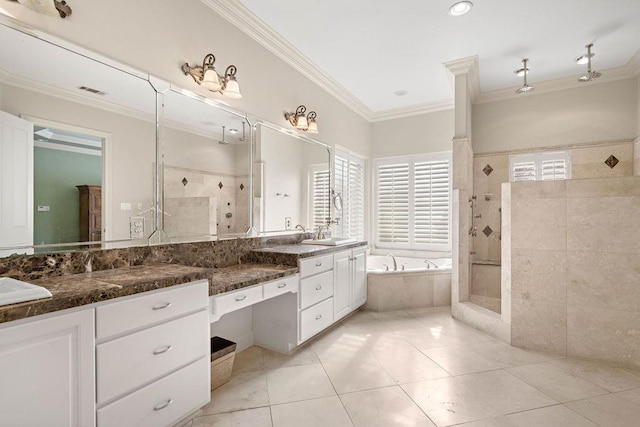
(163, 405)
(160, 307)
(282, 285)
(318, 287)
(319, 316)
(242, 298)
(162, 350)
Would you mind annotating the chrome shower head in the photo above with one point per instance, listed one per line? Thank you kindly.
(223, 141)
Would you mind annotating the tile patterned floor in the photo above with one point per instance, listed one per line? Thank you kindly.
(419, 368)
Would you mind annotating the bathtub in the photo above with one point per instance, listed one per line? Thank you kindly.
(415, 286)
(379, 263)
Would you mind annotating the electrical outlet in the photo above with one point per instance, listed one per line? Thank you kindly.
(136, 227)
(287, 223)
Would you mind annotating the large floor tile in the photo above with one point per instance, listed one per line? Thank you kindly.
(357, 373)
(551, 416)
(298, 383)
(327, 411)
(383, 407)
(446, 401)
(507, 355)
(611, 410)
(303, 356)
(500, 421)
(248, 360)
(406, 364)
(632, 395)
(244, 391)
(556, 383)
(458, 360)
(259, 417)
(505, 392)
(608, 377)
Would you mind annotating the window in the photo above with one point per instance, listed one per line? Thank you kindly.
(540, 166)
(413, 202)
(349, 184)
(319, 181)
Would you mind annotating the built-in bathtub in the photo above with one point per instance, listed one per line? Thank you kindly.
(414, 284)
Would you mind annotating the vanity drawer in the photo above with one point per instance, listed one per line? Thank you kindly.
(315, 265)
(119, 317)
(316, 318)
(133, 360)
(280, 286)
(315, 289)
(163, 402)
(231, 301)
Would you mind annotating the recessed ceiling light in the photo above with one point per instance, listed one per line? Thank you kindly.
(460, 8)
(400, 93)
(233, 131)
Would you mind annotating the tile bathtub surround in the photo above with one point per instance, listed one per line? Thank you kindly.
(394, 291)
(575, 274)
(379, 369)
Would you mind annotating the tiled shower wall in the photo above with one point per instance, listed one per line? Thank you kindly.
(575, 267)
(491, 170)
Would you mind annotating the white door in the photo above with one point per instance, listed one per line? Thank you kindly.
(341, 284)
(16, 184)
(47, 372)
(359, 277)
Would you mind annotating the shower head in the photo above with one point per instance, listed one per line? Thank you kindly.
(244, 136)
(223, 141)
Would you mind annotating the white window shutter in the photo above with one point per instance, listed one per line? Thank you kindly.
(431, 201)
(393, 203)
(320, 197)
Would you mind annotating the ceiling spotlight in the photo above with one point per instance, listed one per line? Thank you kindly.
(524, 71)
(400, 92)
(586, 59)
(301, 121)
(460, 8)
(207, 76)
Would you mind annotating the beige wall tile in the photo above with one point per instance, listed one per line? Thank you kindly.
(605, 280)
(539, 275)
(605, 224)
(539, 190)
(588, 162)
(485, 280)
(441, 290)
(636, 155)
(539, 325)
(604, 334)
(624, 186)
(538, 223)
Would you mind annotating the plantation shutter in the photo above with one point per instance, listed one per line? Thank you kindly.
(341, 188)
(356, 198)
(540, 166)
(431, 202)
(320, 197)
(393, 202)
(524, 171)
(554, 169)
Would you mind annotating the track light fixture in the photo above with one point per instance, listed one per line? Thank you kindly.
(524, 71)
(586, 59)
(207, 76)
(301, 121)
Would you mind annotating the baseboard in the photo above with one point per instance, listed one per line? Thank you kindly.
(245, 341)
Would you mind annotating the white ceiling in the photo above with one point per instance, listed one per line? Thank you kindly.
(373, 48)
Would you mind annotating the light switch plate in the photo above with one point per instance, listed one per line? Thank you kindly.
(287, 223)
(136, 227)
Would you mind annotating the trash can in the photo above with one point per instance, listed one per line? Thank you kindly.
(222, 354)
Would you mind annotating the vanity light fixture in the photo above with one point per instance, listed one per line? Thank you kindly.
(586, 59)
(524, 71)
(301, 121)
(460, 8)
(207, 76)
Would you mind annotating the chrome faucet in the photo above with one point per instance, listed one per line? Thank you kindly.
(320, 233)
(395, 264)
(430, 263)
(301, 227)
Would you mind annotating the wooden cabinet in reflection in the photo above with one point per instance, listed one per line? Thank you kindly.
(90, 213)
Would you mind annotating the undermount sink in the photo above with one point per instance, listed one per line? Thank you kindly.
(13, 291)
(330, 241)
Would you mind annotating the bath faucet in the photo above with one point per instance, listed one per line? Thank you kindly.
(320, 233)
(301, 227)
(430, 263)
(395, 264)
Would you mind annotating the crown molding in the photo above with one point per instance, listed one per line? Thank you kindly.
(634, 64)
(414, 110)
(468, 66)
(67, 95)
(244, 19)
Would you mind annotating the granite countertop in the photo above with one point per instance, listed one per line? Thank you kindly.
(286, 254)
(75, 290)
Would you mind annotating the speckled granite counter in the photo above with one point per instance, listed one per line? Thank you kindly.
(289, 254)
(75, 290)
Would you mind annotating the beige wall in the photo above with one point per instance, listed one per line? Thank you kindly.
(424, 133)
(575, 249)
(160, 36)
(593, 113)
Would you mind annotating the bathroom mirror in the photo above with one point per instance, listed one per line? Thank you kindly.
(205, 168)
(77, 151)
(291, 180)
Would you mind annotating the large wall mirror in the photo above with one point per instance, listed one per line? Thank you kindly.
(291, 180)
(77, 149)
(206, 149)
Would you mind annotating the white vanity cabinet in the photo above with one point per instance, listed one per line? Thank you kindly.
(350, 281)
(152, 356)
(47, 371)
